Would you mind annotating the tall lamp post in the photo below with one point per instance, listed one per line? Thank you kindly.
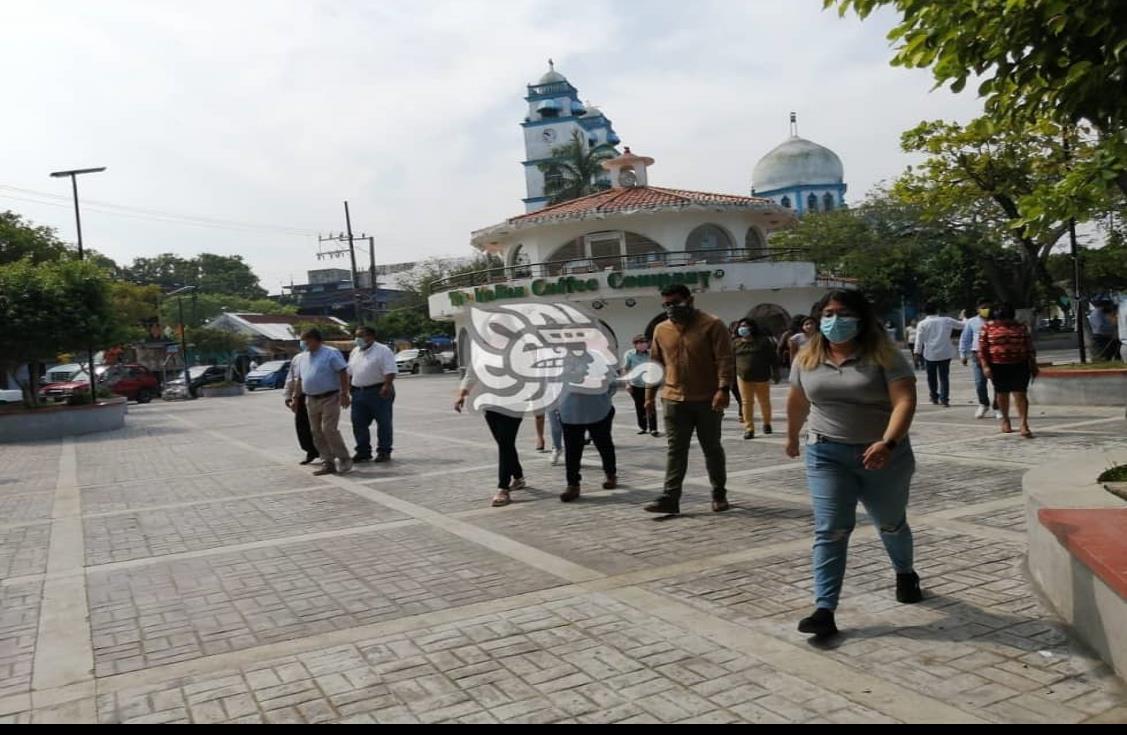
(74, 174)
(179, 293)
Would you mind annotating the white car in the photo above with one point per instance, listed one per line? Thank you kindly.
(411, 361)
(10, 395)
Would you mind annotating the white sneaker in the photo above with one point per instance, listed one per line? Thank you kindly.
(518, 483)
(997, 414)
(555, 457)
(981, 411)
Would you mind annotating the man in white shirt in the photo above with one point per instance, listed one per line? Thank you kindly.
(371, 371)
(968, 350)
(933, 341)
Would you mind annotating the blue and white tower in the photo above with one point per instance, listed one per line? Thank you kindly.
(801, 175)
(555, 113)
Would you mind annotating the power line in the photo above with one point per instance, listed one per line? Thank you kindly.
(118, 210)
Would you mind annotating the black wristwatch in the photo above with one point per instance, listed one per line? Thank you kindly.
(890, 443)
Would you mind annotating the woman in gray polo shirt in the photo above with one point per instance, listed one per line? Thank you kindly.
(859, 394)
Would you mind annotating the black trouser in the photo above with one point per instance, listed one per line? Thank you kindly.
(734, 389)
(304, 433)
(939, 380)
(573, 446)
(681, 420)
(504, 429)
(646, 422)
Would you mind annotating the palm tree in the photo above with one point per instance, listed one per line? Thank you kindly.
(574, 170)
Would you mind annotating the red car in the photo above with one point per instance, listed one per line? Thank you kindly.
(135, 382)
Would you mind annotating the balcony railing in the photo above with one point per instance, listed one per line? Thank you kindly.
(642, 262)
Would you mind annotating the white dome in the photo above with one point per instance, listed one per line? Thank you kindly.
(795, 162)
(552, 76)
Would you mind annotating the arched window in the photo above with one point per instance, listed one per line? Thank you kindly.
(772, 317)
(642, 252)
(520, 261)
(602, 250)
(812, 202)
(785, 202)
(711, 241)
(755, 244)
(828, 202)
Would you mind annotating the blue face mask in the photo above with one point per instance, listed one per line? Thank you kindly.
(744, 331)
(840, 329)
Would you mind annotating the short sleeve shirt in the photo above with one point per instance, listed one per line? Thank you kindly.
(849, 403)
(320, 372)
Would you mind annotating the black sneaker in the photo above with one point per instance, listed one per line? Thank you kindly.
(820, 624)
(643, 431)
(655, 432)
(663, 505)
(908, 588)
(767, 429)
(361, 457)
(382, 457)
(749, 435)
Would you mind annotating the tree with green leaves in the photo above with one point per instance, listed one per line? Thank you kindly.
(1058, 60)
(52, 307)
(20, 239)
(220, 274)
(200, 308)
(574, 169)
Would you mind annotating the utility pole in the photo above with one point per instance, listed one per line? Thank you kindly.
(355, 274)
(74, 174)
(1077, 305)
(351, 239)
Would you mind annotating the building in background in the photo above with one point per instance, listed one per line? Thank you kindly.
(800, 175)
(329, 292)
(555, 113)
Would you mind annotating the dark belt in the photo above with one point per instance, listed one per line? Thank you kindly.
(368, 387)
(323, 395)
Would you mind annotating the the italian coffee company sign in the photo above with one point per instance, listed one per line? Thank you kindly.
(567, 285)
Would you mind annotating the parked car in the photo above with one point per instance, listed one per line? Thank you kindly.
(449, 359)
(10, 395)
(135, 382)
(200, 375)
(66, 373)
(268, 375)
(411, 361)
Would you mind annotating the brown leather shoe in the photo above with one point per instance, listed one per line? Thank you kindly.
(572, 493)
(611, 482)
(719, 506)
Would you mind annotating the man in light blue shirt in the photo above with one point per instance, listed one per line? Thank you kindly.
(323, 381)
(968, 349)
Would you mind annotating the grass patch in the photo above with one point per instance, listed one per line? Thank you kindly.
(1115, 474)
(1105, 365)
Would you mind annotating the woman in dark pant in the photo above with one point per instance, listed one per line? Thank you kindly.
(580, 414)
(504, 428)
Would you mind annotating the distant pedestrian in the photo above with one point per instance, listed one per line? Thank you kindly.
(252, 366)
(734, 388)
(910, 335)
(584, 414)
(538, 423)
(556, 426)
(635, 358)
(323, 383)
(859, 394)
(757, 366)
(372, 371)
(799, 340)
(694, 349)
(933, 342)
(296, 403)
(1101, 319)
(1005, 351)
(504, 428)
(968, 351)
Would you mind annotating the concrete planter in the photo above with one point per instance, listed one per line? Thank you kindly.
(1079, 388)
(220, 391)
(1076, 555)
(62, 420)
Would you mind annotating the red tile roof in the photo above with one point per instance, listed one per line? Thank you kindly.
(635, 198)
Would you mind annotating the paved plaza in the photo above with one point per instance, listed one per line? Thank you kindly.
(187, 569)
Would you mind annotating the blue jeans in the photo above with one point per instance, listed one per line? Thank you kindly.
(837, 480)
(369, 406)
(939, 380)
(556, 426)
(980, 382)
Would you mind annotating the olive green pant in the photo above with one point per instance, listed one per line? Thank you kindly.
(682, 418)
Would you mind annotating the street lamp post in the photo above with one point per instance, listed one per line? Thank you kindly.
(179, 293)
(74, 174)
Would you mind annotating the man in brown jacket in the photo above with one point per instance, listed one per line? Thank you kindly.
(696, 352)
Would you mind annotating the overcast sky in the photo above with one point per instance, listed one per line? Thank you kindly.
(272, 112)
